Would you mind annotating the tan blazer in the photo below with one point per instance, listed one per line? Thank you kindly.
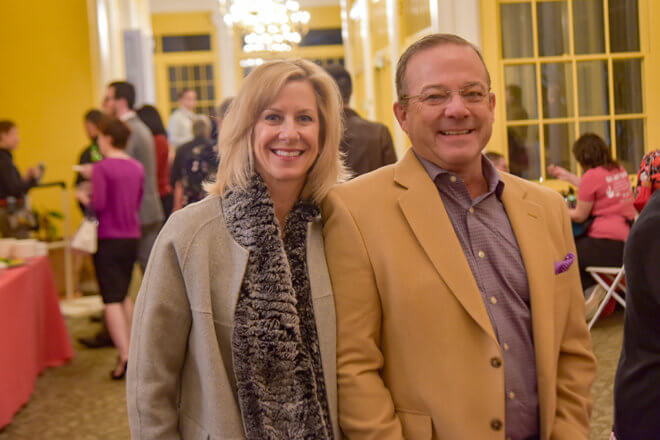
(180, 380)
(415, 343)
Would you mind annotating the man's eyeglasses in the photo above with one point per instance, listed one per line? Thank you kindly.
(470, 94)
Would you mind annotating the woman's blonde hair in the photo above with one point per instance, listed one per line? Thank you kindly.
(259, 90)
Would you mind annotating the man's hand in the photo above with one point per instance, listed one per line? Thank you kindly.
(33, 173)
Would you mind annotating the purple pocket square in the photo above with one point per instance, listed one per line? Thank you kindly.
(562, 266)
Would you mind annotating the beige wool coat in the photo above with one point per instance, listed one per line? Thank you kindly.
(180, 380)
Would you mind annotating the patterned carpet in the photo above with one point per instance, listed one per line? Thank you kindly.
(80, 402)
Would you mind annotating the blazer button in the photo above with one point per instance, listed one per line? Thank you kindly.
(495, 362)
(496, 424)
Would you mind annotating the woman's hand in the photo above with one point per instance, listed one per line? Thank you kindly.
(558, 172)
(563, 174)
(83, 193)
(85, 170)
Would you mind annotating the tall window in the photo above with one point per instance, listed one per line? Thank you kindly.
(198, 77)
(571, 67)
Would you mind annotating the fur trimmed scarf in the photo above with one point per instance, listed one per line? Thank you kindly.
(275, 348)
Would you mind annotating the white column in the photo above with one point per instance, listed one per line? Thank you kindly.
(138, 44)
(368, 60)
(394, 37)
(461, 17)
(120, 37)
(346, 38)
(226, 56)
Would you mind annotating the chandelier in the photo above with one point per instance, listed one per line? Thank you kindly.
(267, 25)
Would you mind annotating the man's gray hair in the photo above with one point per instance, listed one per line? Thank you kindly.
(201, 126)
(428, 42)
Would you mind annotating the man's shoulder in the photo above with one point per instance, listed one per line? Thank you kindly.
(355, 121)
(176, 114)
(535, 191)
(369, 187)
(138, 127)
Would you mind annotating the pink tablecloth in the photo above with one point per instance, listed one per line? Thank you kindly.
(33, 335)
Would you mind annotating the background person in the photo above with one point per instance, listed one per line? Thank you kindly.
(636, 392)
(117, 188)
(222, 110)
(91, 153)
(15, 221)
(248, 313)
(119, 102)
(82, 185)
(164, 154)
(195, 162)
(367, 145)
(604, 193)
(179, 129)
(498, 161)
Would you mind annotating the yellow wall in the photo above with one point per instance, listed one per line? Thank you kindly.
(46, 87)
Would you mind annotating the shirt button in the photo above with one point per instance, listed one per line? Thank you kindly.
(452, 178)
(493, 300)
(496, 362)
(481, 254)
(496, 424)
(471, 210)
(512, 395)
(505, 346)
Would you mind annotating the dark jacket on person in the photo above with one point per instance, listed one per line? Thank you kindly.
(195, 162)
(367, 145)
(141, 147)
(11, 182)
(636, 391)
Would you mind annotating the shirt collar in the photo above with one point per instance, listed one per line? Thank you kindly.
(492, 176)
(187, 112)
(128, 115)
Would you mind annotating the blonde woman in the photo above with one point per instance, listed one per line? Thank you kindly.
(234, 331)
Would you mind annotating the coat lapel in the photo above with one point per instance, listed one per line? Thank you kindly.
(528, 225)
(324, 313)
(423, 209)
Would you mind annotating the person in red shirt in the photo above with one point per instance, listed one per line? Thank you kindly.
(605, 194)
(164, 154)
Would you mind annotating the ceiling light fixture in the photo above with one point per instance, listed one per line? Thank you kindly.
(266, 25)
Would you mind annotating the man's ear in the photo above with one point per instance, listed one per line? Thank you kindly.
(401, 114)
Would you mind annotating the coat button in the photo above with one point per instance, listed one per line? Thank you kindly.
(496, 362)
(496, 424)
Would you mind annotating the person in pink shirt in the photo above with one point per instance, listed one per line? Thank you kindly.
(604, 194)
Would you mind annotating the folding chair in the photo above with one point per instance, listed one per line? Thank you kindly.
(611, 279)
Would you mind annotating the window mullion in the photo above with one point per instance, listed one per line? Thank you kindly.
(539, 89)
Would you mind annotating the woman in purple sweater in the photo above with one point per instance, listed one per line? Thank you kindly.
(117, 187)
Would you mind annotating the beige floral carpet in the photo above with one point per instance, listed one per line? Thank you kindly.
(80, 402)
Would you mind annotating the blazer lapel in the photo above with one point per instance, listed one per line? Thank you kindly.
(423, 209)
(324, 313)
(528, 225)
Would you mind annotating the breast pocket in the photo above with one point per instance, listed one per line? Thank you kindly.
(416, 426)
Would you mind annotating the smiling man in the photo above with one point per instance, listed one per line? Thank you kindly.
(459, 307)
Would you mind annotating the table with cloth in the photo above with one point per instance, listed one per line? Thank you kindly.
(33, 334)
